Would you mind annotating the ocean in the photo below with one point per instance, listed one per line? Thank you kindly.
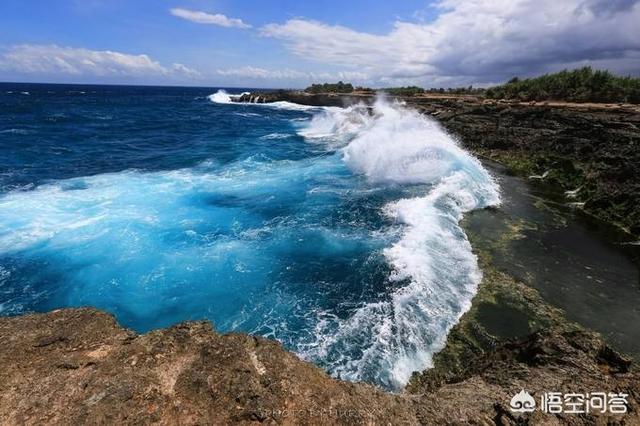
(333, 230)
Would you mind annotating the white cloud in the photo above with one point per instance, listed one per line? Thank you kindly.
(250, 72)
(475, 41)
(207, 18)
(57, 60)
(254, 72)
(181, 69)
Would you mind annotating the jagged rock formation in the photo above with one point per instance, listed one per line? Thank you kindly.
(77, 366)
(546, 361)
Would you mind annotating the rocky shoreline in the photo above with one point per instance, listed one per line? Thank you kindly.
(79, 366)
(588, 155)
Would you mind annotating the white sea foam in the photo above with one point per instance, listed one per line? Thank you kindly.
(334, 124)
(16, 131)
(222, 97)
(433, 266)
(288, 106)
(271, 136)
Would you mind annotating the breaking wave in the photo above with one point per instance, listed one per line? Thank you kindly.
(222, 97)
(433, 266)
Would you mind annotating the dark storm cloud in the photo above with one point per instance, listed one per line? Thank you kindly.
(479, 41)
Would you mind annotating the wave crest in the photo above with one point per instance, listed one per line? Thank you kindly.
(432, 262)
(222, 97)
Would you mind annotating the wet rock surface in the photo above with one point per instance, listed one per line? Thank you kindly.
(78, 366)
(546, 361)
(589, 155)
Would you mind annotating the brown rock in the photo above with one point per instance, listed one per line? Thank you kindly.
(188, 374)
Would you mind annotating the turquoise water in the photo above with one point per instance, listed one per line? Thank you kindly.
(332, 230)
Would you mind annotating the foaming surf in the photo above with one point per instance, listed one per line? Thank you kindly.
(333, 230)
(289, 106)
(223, 97)
(433, 267)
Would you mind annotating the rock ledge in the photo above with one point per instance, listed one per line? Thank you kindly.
(75, 366)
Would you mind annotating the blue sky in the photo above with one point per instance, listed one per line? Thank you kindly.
(289, 43)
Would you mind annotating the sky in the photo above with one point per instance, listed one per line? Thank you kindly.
(292, 43)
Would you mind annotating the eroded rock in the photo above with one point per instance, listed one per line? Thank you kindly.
(189, 374)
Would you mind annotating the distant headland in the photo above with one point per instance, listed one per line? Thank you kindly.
(579, 85)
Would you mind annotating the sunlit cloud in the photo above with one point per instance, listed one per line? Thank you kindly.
(478, 41)
(200, 17)
(58, 60)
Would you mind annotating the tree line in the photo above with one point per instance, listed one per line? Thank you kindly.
(579, 85)
(338, 87)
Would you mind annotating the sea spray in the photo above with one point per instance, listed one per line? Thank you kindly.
(432, 262)
(223, 97)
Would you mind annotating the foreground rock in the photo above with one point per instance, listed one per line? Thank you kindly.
(568, 362)
(76, 366)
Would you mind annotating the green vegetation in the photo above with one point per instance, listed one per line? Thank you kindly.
(415, 90)
(470, 90)
(404, 91)
(580, 85)
(338, 87)
(362, 89)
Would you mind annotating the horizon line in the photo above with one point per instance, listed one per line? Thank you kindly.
(148, 85)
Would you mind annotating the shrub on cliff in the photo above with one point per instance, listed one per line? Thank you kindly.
(580, 85)
(404, 91)
(415, 90)
(338, 87)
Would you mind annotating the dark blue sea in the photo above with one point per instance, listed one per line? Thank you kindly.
(332, 230)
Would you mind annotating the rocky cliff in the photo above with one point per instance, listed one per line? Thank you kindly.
(77, 366)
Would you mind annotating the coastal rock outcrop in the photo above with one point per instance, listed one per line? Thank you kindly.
(303, 98)
(77, 366)
(588, 153)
